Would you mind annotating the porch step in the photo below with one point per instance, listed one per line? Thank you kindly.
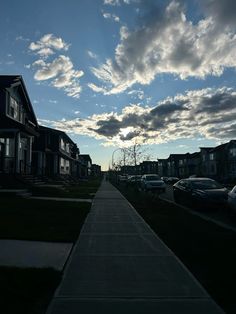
(34, 180)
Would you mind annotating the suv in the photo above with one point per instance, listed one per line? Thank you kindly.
(152, 182)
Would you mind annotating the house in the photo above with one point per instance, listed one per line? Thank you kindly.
(86, 165)
(18, 126)
(189, 165)
(54, 153)
(162, 167)
(221, 161)
(173, 164)
(149, 166)
(96, 170)
(206, 169)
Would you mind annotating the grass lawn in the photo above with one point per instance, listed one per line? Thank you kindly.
(85, 189)
(208, 250)
(27, 291)
(40, 220)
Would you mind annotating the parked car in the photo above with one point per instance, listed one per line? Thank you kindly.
(172, 180)
(152, 182)
(232, 199)
(122, 178)
(200, 191)
(136, 179)
(164, 179)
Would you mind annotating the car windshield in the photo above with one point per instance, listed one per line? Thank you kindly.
(206, 185)
(152, 178)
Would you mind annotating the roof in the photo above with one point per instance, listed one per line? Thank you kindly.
(222, 146)
(58, 132)
(86, 157)
(9, 81)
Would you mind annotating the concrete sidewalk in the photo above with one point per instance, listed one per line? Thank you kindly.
(120, 266)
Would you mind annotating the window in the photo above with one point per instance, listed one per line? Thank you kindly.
(62, 144)
(211, 156)
(7, 147)
(14, 109)
(232, 151)
(67, 147)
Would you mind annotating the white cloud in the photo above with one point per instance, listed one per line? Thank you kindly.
(92, 54)
(60, 70)
(116, 2)
(206, 113)
(168, 43)
(47, 44)
(112, 2)
(111, 16)
(136, 94)
(21, 38)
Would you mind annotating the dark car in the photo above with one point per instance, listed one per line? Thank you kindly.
(172, 180)
(200, 192)
(134, 180)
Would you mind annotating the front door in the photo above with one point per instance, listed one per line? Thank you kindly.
(2, 152)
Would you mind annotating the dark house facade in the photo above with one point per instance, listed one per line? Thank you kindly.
(85, 166)
(148, 167)
(96, 170)
(18, 126)
(54, 153)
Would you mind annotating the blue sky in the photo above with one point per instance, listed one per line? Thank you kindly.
(116, 72)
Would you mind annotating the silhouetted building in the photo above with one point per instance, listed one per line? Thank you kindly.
(96, 170)
(86, 166)
(18, 126)
(148, 166)
(54, 153)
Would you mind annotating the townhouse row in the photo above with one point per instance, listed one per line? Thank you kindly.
(28, 148)
(214, 162)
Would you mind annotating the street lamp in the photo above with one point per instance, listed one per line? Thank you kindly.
(112, 159)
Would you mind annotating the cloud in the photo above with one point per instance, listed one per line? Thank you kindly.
(111, 16)
(60, 70)
(92, 54)
(21, 38)
(223, 12)
(208, 113)
(167, 42)
(116, 2)
(47, 44)
(137, 94)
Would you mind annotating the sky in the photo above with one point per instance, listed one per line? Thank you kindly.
(112, 73)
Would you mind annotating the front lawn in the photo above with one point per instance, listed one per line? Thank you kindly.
(27, 291)
(85, 189)
(27, 219)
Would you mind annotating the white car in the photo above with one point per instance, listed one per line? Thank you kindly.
(232, 199)
(152, 182)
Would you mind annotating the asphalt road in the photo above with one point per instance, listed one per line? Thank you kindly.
(219, 216)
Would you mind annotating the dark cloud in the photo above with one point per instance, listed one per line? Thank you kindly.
(221, 101)
(223, 11)
(108, 128)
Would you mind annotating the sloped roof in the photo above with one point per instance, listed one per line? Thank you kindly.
(8, 81)
(58, 132)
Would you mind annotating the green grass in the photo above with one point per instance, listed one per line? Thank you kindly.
(85, 189)
(208, 250)
(40, 220)
(27, 291)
